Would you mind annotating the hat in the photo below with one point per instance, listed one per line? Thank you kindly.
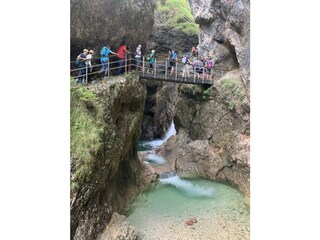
(153, 51)
(85, 50)
(139, 46)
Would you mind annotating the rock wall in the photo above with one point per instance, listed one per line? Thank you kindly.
(98, 22)
(165, 38)
(159, 109)
(213, 126)
(108, 176)
(225, 33)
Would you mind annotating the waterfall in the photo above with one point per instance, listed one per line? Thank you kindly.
(157, 142)
(187, 188)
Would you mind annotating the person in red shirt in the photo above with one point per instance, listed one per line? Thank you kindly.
(121, 55)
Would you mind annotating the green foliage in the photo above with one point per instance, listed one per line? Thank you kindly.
(228, 84)
(207, 94)
(233, 93)
(240, 95)
(86, 128)
(85, 95)
(231, 105)
(129, 76)
(178, 15)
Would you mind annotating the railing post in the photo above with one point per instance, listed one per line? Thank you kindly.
(176, 75)
(155, 68)
(143, 66)
(125, 64)
(108, 66)
(203, 73)
(86, 74)
(166, 70)
(194, 74)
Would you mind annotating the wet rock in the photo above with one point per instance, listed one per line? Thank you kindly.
(118, 228)
(159, 109)
(191, 221)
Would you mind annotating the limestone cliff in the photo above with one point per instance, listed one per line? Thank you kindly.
(213, 138)
(225, 33)
(174, 27)
(98, 22)
(105, 170)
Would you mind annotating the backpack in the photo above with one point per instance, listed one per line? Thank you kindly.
(209, 64)
(173, 56)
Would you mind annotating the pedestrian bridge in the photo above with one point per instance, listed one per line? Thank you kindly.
(160, 71)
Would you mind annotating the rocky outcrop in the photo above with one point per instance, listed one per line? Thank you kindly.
(159, 109)
(165, 37)
(105, 170)
(118, 228)
(98, 22)
(225, 33)
(213, 138)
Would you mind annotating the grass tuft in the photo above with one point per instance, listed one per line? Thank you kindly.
(178, 15)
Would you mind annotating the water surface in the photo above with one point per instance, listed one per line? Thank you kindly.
(161, 212)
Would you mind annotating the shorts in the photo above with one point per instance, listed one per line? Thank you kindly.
(172, 63)
(208, 71)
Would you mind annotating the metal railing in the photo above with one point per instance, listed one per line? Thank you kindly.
(159, 70)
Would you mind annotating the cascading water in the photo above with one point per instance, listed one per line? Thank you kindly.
(156, 159)
(163, 211)
(187, 188)
(148, 145)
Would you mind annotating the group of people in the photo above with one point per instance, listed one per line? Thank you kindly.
(190, 61)
(200, 66)
(84, 60)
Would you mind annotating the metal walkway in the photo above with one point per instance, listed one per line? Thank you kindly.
(160, 71)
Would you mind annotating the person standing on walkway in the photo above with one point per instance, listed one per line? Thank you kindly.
(82, 65)
(122, 58)
(209, 66)
(187, 65)
(194, 51)
(152, 59)
(138, 57)
(89, 58)
(172, 59)
(105, 51)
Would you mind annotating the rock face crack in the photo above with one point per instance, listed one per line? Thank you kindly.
(221, 169)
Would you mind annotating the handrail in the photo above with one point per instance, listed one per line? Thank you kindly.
(160, 71)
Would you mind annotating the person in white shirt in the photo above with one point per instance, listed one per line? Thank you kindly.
(138, 56)
(89, 64)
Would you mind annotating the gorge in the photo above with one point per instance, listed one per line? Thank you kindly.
(110, 118)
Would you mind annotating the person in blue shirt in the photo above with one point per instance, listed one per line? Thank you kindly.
(172, 59)
(152, 59)
(105, 51)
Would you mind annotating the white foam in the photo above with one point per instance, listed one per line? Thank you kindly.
(191, 190)
(156, 159)
(157, 142)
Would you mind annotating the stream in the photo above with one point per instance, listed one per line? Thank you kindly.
(179, 208)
